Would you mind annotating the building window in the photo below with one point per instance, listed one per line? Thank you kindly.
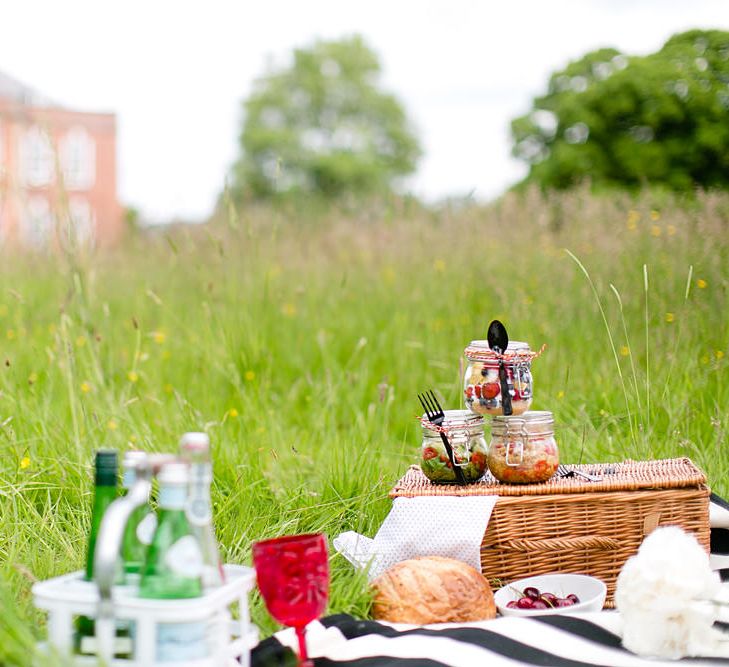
(36, 223)
(78, 159)
(82, 222)
(36, 158)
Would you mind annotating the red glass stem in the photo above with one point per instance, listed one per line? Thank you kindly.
(301, 636)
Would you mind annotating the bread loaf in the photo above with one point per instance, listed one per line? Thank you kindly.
(432, 589)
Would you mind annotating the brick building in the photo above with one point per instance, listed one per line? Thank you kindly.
(57, 173)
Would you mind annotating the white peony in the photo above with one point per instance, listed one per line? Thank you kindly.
(667, 596)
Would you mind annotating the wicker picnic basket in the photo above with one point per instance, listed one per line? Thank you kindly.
(569, 524)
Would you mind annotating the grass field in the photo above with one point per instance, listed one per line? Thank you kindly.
(300, 346)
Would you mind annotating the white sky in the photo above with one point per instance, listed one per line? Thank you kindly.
(175, 72)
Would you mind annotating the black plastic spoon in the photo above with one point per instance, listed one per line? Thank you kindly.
(498, 341)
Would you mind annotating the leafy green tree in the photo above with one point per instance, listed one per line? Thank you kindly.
(628, 121)
(322, 125)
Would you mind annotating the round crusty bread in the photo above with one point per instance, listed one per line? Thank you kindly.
(432, 589)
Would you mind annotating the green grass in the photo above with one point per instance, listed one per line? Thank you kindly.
(300, 346)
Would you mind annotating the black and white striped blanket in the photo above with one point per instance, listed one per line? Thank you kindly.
(579, 640)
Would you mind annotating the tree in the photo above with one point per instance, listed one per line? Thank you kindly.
(629, 121)
(323, 125)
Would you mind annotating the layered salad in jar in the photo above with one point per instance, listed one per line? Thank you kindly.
(464, 431)
(523, 449)
(481, 385)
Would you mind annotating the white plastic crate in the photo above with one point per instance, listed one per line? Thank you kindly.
(229, 642)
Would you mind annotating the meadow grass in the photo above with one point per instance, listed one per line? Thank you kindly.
(299, 344)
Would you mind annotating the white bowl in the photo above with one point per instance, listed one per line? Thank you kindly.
(590, 590)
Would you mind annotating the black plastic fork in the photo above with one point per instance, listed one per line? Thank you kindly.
(435, 415)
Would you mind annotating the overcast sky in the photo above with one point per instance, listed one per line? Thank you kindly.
(175, 73)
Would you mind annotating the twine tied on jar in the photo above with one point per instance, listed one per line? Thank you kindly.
(514, 356)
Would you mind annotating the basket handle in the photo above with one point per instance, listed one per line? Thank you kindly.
(593, 542)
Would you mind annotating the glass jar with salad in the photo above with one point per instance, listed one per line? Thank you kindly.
(523, 449)
(481, 385)
(464, 431)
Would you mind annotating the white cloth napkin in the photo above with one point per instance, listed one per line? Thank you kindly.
(449, 526)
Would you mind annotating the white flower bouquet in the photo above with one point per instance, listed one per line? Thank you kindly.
(669, 598)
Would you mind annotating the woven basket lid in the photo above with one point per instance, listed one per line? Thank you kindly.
(626, 476)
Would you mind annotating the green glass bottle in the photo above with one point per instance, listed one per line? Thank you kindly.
(141, 524)
(105, 492)
(174, 566)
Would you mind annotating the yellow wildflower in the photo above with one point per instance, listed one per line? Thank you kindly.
(288, 309)
(250, 375)
(670, 317)
(112, 425)
(159, 337)
(132, 376)
(85, 387)
(624, 351)
(656, 230)
(10, 334)
(81, 341)
(701, 283)
(671, 229)
(232, 413)
(33, 378)
(24, 462)
(560, 394)
(633, 219)
(132, 438)
(655, 215)
(439, 266)
(719, 354)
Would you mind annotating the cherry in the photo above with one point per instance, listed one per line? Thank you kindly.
(531, 592)
(549, 598)
(533, 599)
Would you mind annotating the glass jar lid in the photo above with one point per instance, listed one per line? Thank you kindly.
(479, 350)
(455, 421)
(532, 422)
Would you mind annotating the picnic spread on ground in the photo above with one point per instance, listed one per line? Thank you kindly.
(493, 553)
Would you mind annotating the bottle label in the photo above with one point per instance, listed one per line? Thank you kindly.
(198, 512)
(146, 528)
(123, 646)
(178, 642)
(184, 557)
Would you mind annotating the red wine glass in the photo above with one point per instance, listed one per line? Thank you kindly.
(293, 577)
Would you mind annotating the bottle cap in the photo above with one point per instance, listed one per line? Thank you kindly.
(174, 474)
(133, 458)
(194, 442)
(107, 466)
